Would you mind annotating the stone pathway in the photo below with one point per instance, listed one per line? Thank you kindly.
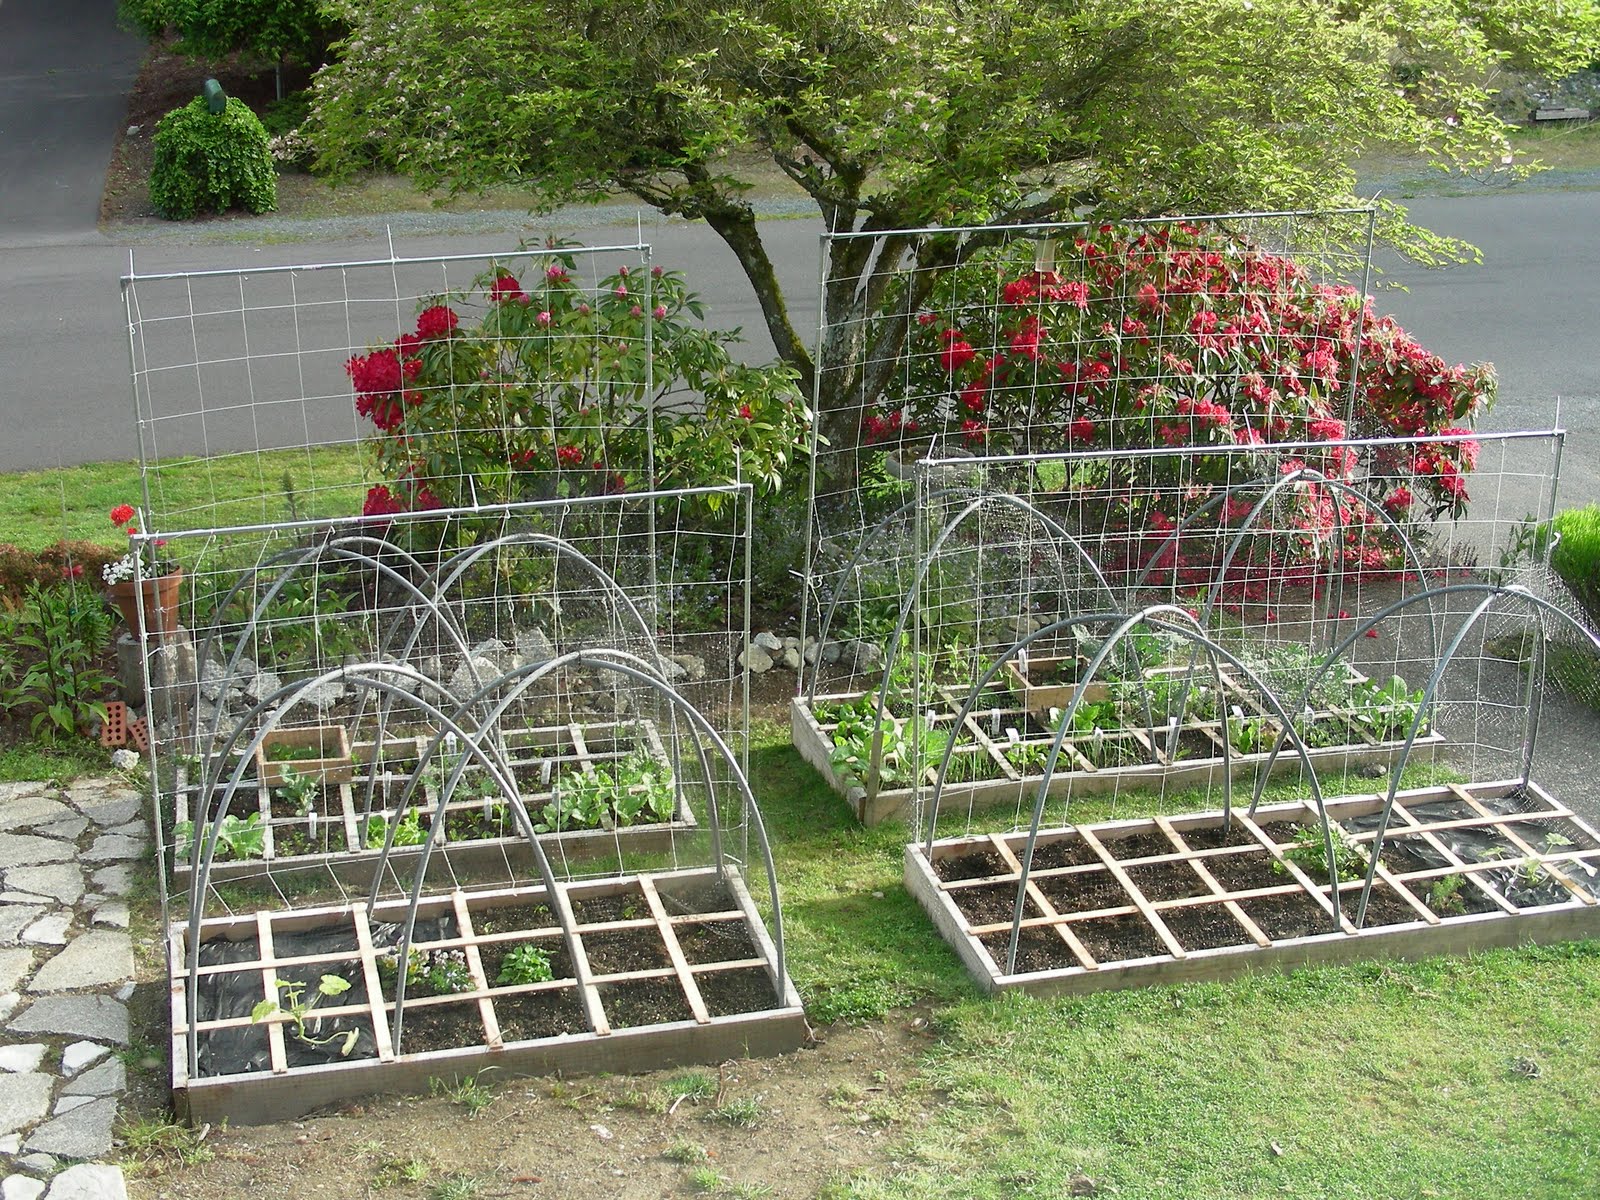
(67, 860)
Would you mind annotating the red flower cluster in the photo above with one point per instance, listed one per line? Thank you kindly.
(506, 288)
(122, 514)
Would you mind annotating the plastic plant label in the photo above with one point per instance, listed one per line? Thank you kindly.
(1022, 662)
(1012, 736)
(994, 722)
(544, 771)
(1236, 711)
(311, 825)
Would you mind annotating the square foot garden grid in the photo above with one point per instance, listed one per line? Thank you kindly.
(1005, 740)
(1175, 899)
(338, 829)
(663, 968)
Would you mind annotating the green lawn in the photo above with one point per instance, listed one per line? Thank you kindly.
(41, 507)
(1439, 1078)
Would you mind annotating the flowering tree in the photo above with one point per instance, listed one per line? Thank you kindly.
(1170, 335)
(538, 389)
(929, 113)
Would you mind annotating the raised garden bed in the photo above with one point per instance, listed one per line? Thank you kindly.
(664, 968)
(336, 827)
(1006, 744)
(1170, 899)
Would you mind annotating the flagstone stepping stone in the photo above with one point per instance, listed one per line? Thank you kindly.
(22, 1057)
(62, 882)
(24, 850)
(89, 1181)
(92, 960)
(50, 930)
(21, 1187)
(36, 808)
(14, 918)
(106, 806)
(68, 830)
(97, 1017)
(24, 1098)
(84, 1132)
(79, 1055)
(109, 1078)
(113, 881)
(14, 964)
(113, 913)
(110, 847)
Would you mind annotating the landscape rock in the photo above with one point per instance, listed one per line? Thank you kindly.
(213, 680)
(14, 918)
(322, 696)
(462, 684)
(22, 1057)
(62, 882)
(106, 806)
(14, 964)
(113, 881)
(755, 660)
(791, 657)
(25, 850)
(263, 685)
(109, 847)
(79, 1055)
(82, 1133)
(693, 665)
(94, 959)
(97, 1017)
(24, 1098)
(533, 645)
(864, 656)
(68, 830)
(832, 652)
(50, 930)
(89, 1181)
(24, 804)
(768, 641)
(109, 1078)
(21, 1187)
(42, 1163)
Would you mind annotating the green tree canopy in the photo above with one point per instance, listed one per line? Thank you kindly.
(271, 29)
(895, 114)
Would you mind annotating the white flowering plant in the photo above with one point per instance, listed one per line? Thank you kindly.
(156, 564)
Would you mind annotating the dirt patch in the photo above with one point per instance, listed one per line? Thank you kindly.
(834, 1108)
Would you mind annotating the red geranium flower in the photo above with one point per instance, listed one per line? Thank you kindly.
(122, 514)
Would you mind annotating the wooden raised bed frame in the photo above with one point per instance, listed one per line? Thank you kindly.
(284, 1092)
(1074, 773)
(450, 858)
(1429, 933)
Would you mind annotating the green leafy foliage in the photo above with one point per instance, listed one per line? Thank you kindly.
(298, 1008)
(634, 790)
(238, 838)
(527, 963)
(428, 972)
(272, 29)
(533, 389)
(407, 832)
(299, 790)
(1310, 853)
(206, 162)
(1386, 710)
(49, 655)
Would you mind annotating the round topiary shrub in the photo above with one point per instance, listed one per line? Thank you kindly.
(212, 161)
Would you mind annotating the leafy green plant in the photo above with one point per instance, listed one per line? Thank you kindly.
(636, 789)
(237, 838)
(212, 161)
(428, 972)
(408, 832)
(744, 1113)
(1093, 715)
(298, 1007)
(57, 637)
(1445, 897)
(1250, 735)
(527, 963)
(1386, 710)
(470, 1092)
(851, 755)
(299, 790)
(1309, 853)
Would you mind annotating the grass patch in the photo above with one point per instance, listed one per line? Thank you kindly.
(1366, 1080)
(41, 507)
(29, 761)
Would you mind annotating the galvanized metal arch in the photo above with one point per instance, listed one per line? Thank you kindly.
(370, 675)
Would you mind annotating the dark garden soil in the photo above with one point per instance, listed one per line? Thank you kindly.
(1139, 845)
(619, 950)
(539, 1015)
(715, 941)
(597, 910)
(1118, 939)
(725, 993)
(1246, 872)
(1204, 927)
(1068, 852)
(1167, 881)
(441, 1027)
(991, 903)
(972, 866)
(1038, 949)
(1083, 891)
(1287, 916)
(1383, 908)
(508, 918)
(1212, 837)
(644, 1002)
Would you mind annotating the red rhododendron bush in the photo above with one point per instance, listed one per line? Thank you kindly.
(1171, 336)
(528, 389)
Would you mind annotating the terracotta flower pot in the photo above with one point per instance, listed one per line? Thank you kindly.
(160, 602)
